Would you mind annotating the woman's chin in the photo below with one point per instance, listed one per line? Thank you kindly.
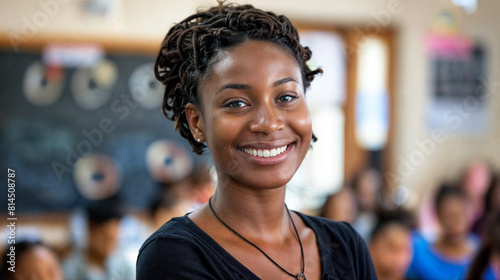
(259, 181)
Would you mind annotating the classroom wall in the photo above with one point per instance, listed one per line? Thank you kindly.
(148, 21)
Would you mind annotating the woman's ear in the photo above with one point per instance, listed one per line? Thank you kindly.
(195, 122)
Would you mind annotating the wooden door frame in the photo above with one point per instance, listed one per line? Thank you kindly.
(355, 157)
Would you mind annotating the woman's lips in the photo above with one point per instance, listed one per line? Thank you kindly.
(265, 153)
(267, 156)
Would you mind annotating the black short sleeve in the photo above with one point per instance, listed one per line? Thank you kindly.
(344, 254)
(362, 257)
(170, 258)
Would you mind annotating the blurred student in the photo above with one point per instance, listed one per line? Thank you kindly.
(492, 198)
(491, 204)
(33, 261)
(99, 260)
(486, 264)
(366, 185)
(202, 185)
(391, 246)
(169, 203)
(340, 206)
(474, 182)
(450, 255)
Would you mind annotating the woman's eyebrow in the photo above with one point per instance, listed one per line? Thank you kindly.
(244, 86)
(233, 86)
(283, 81)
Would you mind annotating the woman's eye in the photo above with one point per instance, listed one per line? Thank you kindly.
(235, 104)
(286, 98)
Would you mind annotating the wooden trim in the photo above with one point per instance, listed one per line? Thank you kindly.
(389, 161)
(110, 44)
(307, 26)
(355, 156)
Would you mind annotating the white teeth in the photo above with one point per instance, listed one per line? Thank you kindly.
(265, 153)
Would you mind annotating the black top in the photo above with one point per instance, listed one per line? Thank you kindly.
(182, 250)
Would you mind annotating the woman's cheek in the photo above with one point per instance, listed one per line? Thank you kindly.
(221, 134)
(301, 123)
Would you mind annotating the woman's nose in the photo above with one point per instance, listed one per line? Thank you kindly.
(267, 119)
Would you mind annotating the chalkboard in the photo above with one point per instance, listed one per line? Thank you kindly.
(42, 143)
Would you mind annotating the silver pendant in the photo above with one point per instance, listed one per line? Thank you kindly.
(301, 276)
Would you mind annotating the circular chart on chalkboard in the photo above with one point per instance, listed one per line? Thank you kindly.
(96, 176)
(167, 162)
(91, 87)
(42, 85)
(144, 88)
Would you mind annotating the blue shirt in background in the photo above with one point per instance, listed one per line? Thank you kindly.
(429, 264)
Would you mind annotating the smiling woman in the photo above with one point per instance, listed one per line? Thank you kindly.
(235, 80)
(254, 101)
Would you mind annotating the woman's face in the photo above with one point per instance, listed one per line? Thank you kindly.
(254, 115)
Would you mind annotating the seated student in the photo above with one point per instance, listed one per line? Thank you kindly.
(202, 185)
(167, 205)
(491, 204)
(486, 264)
(390, 245)
(450, 255)
(474, 182)
(366, 184)
(340, 206)
(99, 260)
(33, 261)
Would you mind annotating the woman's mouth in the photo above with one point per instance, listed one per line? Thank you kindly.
(265, 153)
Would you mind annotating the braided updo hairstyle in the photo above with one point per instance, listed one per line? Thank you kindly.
(191, 47)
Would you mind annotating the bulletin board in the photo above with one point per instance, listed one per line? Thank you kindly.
(47, 124)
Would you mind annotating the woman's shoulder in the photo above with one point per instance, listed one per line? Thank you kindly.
(338, 236)
(165, 252)
(182, 250)
(177, 232)
(343, 252)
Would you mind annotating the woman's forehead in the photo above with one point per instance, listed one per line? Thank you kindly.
(251, 58)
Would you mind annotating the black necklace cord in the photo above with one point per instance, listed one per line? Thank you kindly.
(299, 276)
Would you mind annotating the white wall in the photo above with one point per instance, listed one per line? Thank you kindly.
(149, 21)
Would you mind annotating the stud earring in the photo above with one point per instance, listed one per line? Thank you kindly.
(199, 140)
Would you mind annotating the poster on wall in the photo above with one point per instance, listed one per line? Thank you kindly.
(458, 101)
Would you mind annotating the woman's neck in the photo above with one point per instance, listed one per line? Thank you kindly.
(258, 212)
